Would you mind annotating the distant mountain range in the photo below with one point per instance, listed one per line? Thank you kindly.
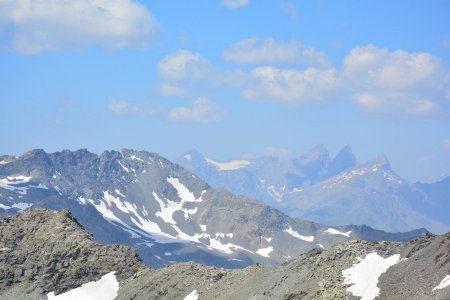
(331, 190)
(143, 200)
(45, 253)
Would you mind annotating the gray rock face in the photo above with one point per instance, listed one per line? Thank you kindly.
(336, 191)
(43, 251)
(143, 200)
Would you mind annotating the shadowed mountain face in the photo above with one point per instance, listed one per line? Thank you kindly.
(335, 191)
(141, 199)
(46, 252)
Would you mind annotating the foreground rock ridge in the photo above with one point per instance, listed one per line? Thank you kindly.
(43, 251)
(169, 215)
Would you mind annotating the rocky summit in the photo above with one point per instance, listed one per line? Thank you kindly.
(168, 214)
(45, 254)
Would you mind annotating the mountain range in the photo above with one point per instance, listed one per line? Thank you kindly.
(168, 214)
(331, 190)
(46, 254)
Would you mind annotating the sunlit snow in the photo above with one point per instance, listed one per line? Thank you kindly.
(298, 235)
(335, 231)
(107, 288)
(264, 251)
(443, 284)
(363, 276)
(230, 165)
(192, 296)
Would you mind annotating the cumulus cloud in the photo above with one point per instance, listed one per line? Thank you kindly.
(51, 25)
(168, 89)
(446, 143)
(271, 51)
(309, 86)
(184, 65)
(235, 3)
(121, 107)
(397, 83)
(202, 111)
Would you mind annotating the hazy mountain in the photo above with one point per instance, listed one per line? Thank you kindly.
(168, 214)
(44, 253)
(333, 191)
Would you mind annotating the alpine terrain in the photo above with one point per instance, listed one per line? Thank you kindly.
(331, 190)
(143, 200)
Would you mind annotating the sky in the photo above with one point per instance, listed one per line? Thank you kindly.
(230, 78)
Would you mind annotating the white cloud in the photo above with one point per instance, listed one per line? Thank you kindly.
(310, 86)
(397, 84)
(51, 25)
(121, 107)
(235, 3)
(446, 143)
(290, 9)
(168, 89)
(271, 51)
(184, 65)
(202, 110)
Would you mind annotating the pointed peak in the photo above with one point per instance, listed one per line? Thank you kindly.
(190, 155)
(346, 149)
(382, 161)
(317, 152)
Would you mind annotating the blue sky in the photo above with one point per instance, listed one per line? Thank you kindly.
(231, 78)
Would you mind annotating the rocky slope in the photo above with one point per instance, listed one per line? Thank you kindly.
(51, 249)
(143, 200)
(43, 251)
(335, 191)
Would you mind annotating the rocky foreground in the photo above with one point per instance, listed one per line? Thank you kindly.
(46, 253)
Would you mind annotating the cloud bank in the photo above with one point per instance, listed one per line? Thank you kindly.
(51, 25)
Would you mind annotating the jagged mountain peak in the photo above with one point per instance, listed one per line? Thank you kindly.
(319, 152)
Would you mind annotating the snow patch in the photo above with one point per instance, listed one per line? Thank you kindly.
(321, 246)
(134, 157)
(203, 228)
(192, 296)
(4, 162)
(335, 231)
(443, 284)
(296, 190)
(118, 192)
(106, 288)
(363, 276)
(123, 167)
(188, 156)
(271, 189)
(298, 235)
(268, 239)
(265, 251)
(39, 186)
(228, 166)
(20, 205)
(10, 183)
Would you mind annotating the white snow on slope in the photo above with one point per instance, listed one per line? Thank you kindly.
(298, 235)
(192, 296)
(265, 251)
(188, 156)
(335, 231)
(10, 182)
(123, 167)
(169, 207)
(363, 276)
(443, 284)
(228, 166)
(134, 157)
(3, 162)
(20, 205)
(107, 288)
